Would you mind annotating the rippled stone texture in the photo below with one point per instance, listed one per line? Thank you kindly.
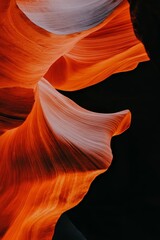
(48, 163)
(51, 149)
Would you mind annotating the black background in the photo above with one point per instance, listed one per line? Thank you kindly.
(123, 202)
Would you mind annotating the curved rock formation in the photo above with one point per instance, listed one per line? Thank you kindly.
(51, 149)
(48, 163)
